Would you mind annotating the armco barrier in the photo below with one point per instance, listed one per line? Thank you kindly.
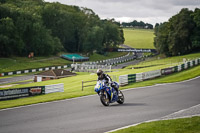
(126, 79)
(54, 88)
(185, 65)
(138, 77)
(179, 68)
(123, 80)
(175, 68)
(151, 74)
(182, 66)
(131, 78)
(32, 70)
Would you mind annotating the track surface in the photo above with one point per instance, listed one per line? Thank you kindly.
(15, 79)
(87, 115)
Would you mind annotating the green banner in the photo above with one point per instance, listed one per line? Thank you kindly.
(176, 69)
(131, 78)
(188, 63)
(182, 66)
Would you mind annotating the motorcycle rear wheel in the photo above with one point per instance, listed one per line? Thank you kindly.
(120, 97)
(104, 98)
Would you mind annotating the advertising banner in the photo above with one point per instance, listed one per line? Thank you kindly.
(130, 50)
(13, 93)
(36, 90)
(167, 71)
(54, 88)
(151, 74)
(131, 78)
(21, 92)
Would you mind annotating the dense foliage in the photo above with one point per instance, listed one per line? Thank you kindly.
(48, 28)
(137, 24)
(180, 35)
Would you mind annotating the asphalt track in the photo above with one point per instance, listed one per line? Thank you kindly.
(16, 79)
(88, 115)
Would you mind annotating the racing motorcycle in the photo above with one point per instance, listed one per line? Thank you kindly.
(108, 94)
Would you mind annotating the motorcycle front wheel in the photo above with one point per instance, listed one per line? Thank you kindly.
(120, 97)
(104, 98)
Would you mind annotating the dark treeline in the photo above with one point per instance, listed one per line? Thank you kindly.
(48, 28)
(180, 35)
(137, 24)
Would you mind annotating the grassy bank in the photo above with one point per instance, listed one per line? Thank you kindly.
(186, 125)
(109, 55)
(165, 62)
(22, 63)
(139, 38)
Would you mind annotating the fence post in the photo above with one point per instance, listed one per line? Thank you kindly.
(82, 85)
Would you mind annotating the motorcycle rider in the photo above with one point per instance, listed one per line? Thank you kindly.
(102, 76)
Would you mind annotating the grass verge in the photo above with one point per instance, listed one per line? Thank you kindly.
(183, 125)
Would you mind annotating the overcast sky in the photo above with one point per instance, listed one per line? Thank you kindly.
(149, 11)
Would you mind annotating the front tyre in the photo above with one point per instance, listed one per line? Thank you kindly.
(104, 98)
(120, 97)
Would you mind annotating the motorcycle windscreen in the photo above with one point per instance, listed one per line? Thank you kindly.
(98, 87)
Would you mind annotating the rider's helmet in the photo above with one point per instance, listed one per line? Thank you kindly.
(99, 73)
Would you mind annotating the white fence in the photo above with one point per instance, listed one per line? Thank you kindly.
(138, 77)
(123, 80)
(151, 74)
(90, 68)
(54, 88)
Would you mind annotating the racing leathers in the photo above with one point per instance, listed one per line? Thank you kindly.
(108, 80)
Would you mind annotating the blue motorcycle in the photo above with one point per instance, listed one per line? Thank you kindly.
(108, 94)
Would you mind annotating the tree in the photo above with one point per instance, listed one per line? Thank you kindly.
(94, 40)
(181, 35)
(6, 27)
(195, 38)
(161, 39)
(181, 28)
(48, 28)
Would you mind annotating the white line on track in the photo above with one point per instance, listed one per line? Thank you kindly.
(162, 118)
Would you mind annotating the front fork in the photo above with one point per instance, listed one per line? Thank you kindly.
(103, 92)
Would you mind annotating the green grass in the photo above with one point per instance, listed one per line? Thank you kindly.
(184, 125)
(165, 62)
(97, 57)
(139, 38)
(22, 63)
(72, 87)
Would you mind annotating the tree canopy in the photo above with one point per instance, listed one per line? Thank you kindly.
(180, 35)
(137, 24)
(48, 28)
